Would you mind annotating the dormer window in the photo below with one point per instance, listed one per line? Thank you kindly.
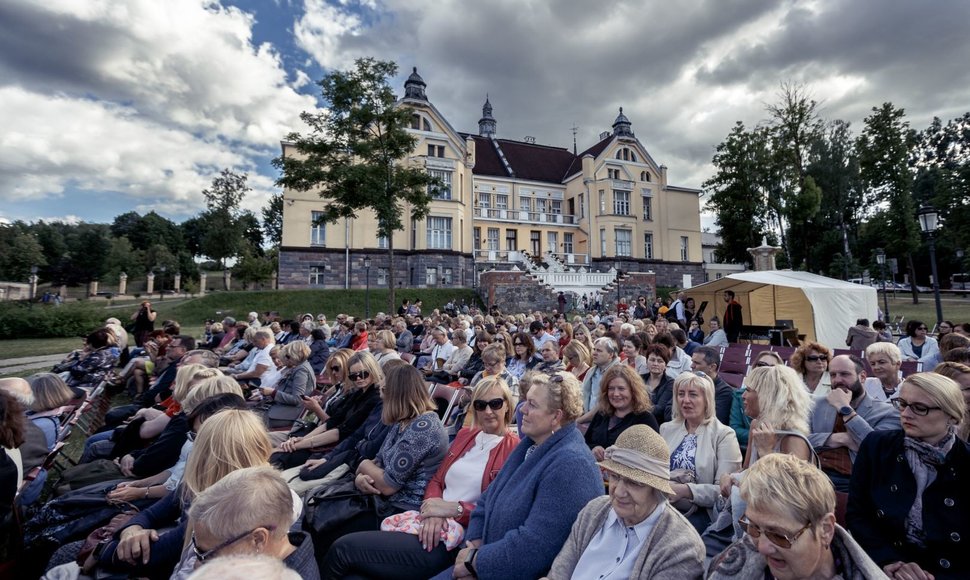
(644, 176)
(625, 154)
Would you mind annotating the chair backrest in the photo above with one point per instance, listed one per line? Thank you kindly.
(733, 379)
(909, 367)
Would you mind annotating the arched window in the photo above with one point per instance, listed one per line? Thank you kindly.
(619, 154)
(644, 176)
(633, 156)
(427, 125)
(416, 121)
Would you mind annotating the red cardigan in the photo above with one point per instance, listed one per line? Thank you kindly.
(462, 443)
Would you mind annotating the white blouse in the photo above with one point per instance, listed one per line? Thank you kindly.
(463, 481)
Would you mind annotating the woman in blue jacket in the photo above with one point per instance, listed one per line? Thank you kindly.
(538, 493)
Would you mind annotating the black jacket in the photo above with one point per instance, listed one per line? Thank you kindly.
(882, 492)
(600, 434)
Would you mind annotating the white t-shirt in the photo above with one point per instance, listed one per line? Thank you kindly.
(262, 358)
(463, 481)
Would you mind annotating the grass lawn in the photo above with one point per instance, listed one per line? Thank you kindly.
(955, 308)
(37, 346)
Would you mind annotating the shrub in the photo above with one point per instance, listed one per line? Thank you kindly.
(19, 320)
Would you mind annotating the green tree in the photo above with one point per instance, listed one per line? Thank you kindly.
(354, 151)
(222, 237)
(251, 232)
(21, 252)
(252, 268)
(736, 195)
(883, 149)
(273, 220)
(122, 257)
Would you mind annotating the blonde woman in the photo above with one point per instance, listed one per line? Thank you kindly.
(385, 347)
(283, 403)
(779, 406)
(700, 446)
(228, 441)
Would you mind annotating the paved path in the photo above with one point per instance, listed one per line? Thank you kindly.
(16, 365)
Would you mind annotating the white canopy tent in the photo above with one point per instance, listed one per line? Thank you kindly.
(821, 308)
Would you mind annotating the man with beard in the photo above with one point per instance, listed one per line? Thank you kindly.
(843, 417)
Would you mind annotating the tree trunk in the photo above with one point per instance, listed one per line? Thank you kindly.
(912, 278)
(391, 299)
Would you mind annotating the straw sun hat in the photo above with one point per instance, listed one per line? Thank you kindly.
(640, 454)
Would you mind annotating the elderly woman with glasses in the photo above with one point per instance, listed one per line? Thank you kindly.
(250, 512)
(909, 504)
(523, 518)
(416, 550)
(917, 345)
(663, 542)
(790, 529)
(811, 361)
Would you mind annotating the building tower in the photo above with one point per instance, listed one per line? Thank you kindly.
(414, 86)
(487, 124)
(621, 127)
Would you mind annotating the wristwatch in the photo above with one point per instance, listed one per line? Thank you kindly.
(846, 410)
(470, 562)
(461, 510)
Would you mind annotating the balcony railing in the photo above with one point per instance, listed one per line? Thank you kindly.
(499, 256)
(517, 215)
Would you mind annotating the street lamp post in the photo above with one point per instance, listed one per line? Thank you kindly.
(367, 284)
(928, 222)
(161, 284)
(618, 271)
(881, 259)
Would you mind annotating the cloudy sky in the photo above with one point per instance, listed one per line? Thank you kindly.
(108, 106)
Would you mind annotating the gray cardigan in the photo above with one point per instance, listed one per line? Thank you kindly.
(717, 453)
(673, 549)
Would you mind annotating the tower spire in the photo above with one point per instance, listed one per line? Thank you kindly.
(487, 125)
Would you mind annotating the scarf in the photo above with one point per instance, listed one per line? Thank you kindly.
(924, 459)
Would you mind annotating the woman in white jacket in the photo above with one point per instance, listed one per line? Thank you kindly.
(916, 345)
(701, 447)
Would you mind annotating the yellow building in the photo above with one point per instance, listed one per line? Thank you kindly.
(507, 202)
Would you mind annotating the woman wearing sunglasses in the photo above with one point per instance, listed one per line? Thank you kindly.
(811, 361)
(472, 463)
(343, 417)
(909, 504)
(790, 529)
(917, 345)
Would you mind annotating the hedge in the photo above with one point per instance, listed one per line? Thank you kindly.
(19, 320)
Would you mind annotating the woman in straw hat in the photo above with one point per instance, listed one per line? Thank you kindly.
(634, 532)
(790, 529)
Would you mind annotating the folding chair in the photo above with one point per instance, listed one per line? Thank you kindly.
(908, 367)
(732, 379)
(445, 398)
(784, 352)
(734, 360)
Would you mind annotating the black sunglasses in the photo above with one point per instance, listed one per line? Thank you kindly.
(335, 369)
(494, 404)
(816, 357)
(360, 375)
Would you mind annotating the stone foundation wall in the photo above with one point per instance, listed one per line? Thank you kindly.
(410, 268)
(515, 292)
(667, 273)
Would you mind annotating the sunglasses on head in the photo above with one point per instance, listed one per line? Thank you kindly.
(494, 404)
(777, 538)
(360, 375)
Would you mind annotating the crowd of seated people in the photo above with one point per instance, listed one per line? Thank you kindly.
(453, 445)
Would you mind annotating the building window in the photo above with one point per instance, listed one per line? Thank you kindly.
(484, 199)
(439, 233)
(316, 275)
(502, 202)
(621, 202)
(624, 241)
(436, 150)
(443, 190)
(602, 202)
(582, 208)
(648, 246)
(382, 276)
(684, 249)
(425, 124)
(644, 176)
(431, 276)
(318, 230)
(416, 121)
(552, 239)
(540, 206)
(492, 241)
(613, 173)
(511, 243)
(535, 239)
(603, 243)
(647, 208)
(555, 207)
(447, 276)
(525, 203)
(567, 243)
(477, 238)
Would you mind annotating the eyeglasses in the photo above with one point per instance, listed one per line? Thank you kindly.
(335, 369)
(203, 556)
(922, 328)
(917, 408)
(494, 404)
(777, 538)
(517, 344)
(360, 375)
(816, 357)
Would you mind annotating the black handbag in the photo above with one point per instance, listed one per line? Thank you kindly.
(329, 507)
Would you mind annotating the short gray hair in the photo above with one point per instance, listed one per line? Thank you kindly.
(245, 568)
(608, 343)
(245, 499)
